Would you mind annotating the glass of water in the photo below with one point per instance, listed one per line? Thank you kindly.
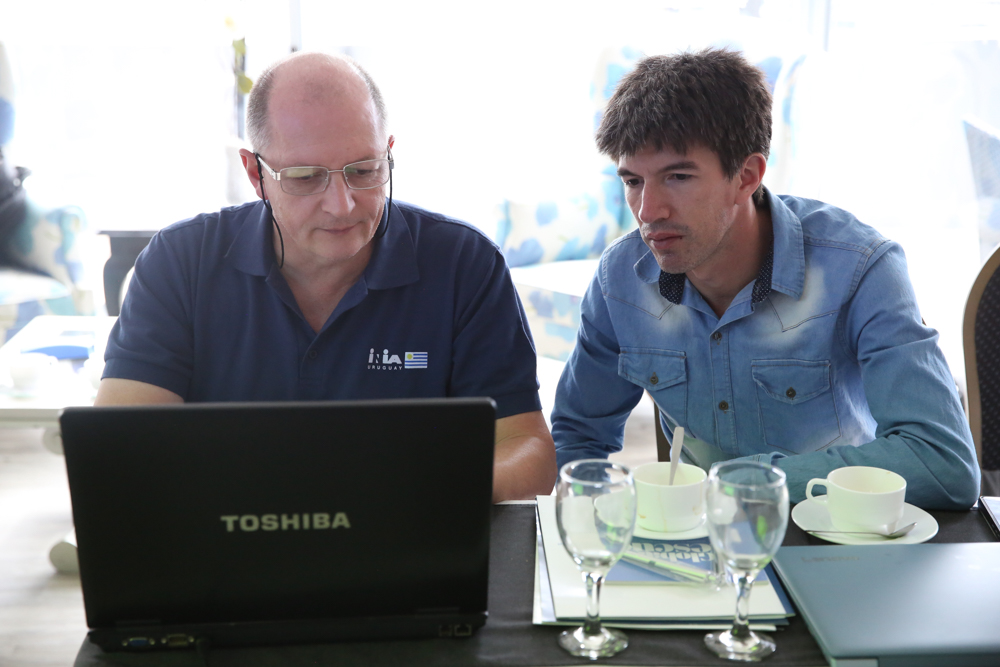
(747, 513)
(595, 510)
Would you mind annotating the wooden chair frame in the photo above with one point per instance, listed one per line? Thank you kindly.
(974, 403)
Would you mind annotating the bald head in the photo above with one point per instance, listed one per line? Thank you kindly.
(307, 79)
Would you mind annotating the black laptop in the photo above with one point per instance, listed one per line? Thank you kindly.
(267, 523)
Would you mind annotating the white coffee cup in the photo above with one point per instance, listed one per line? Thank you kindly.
(862, 498)
(30, 370)
(663, 508)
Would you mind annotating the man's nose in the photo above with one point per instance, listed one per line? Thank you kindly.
(338, 199)
(653, 205)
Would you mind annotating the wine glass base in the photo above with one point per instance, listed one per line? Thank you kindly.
(607, 643)
(752, 648)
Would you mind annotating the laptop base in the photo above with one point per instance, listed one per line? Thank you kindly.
(311, 631)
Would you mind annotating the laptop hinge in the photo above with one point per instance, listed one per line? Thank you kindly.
(138, 622)
(439, 610)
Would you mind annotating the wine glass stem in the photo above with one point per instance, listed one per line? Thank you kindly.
(741, 625)
(592, 625)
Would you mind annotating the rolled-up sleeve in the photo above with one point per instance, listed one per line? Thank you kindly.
(922, 432)
(592, 401)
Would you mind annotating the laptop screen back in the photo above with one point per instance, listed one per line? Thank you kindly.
(229, 513)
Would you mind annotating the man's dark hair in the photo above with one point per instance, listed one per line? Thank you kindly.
(713, 98)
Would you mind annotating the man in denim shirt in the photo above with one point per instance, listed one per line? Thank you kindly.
(770, 327)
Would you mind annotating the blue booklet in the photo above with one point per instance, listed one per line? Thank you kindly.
(74, 345)
(651, 561)
(684, 554)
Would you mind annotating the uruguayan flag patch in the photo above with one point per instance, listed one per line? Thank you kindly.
(415, 360)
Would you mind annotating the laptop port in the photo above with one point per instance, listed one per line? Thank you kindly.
(177, 641)
(138, 642)
(456, 630)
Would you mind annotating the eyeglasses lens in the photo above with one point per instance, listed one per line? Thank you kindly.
(367, 174)
(304, 180)
(362, 175)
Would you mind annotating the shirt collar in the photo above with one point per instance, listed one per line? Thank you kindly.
(393, 262)
(789, 273)
(394, 257)
(672, 284)
(251, 252)
(783, 267)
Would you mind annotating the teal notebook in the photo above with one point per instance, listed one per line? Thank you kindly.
(891, 605)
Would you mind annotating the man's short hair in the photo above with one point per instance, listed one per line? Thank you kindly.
(258, 130)
(713, 98)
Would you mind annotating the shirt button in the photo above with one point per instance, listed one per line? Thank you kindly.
(653, 379)
(312, 354)
(790, 393)
(717, 336)
(723, 406)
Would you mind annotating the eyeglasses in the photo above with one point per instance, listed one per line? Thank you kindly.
(363, 175)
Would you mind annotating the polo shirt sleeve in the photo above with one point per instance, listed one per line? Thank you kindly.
(152, 340)
(493, 352)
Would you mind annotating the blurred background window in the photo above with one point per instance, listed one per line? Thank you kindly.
(889, 109)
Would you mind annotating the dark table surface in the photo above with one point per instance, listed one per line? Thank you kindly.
(509, 638)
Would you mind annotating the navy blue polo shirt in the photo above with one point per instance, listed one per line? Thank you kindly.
(209, 316)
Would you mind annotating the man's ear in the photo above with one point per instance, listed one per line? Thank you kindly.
(392, 140)
(751, 175)
(250, 165)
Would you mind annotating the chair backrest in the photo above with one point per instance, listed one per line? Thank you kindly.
(981, 336)
(662, 444)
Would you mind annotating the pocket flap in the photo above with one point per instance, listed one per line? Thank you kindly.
(652, 369)
(792, 380)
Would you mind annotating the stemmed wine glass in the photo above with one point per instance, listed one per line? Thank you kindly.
(747, 513)
(595, 510)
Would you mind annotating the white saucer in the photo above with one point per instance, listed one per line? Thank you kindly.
(15, 392)
(811, 515)
(701, 530)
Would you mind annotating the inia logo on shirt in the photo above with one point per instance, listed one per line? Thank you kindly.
(392, 362)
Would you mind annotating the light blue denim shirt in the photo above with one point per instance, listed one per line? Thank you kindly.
(833, 368)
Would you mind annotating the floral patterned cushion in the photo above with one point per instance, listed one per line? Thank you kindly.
(48, 254)
(47, 242)
(42, 260)
(577, 224)
(29, 297)
(561, 228)
(552, 244)
(551, 295)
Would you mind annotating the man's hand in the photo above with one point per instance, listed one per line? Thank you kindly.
(116, 391)
(525, 458)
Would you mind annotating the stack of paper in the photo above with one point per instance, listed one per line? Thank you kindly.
(639, 596)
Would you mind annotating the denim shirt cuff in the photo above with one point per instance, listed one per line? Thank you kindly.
(769, 458)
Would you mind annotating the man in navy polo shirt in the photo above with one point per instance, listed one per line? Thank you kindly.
(323, 290)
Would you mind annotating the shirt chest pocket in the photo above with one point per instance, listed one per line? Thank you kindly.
(797, 408)
(663, 373)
